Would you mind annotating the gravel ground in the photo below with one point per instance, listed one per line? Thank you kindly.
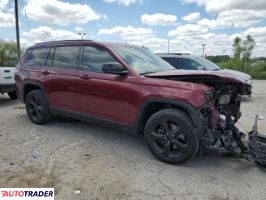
(103, 163)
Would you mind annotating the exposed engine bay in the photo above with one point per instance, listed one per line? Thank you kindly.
(219, 116)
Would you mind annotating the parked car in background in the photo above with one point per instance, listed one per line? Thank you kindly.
(7, 81)
(125, 86)
(191, 62)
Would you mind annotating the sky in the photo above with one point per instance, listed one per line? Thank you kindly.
(186, 24)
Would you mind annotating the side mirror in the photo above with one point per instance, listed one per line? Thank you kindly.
(114, 68)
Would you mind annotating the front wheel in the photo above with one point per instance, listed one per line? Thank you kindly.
(171, 137)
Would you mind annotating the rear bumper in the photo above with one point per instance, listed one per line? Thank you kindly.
(7, 88)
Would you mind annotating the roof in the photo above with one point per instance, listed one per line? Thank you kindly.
(172, 54)
(60, 42)
(67, 42)
(176, 55)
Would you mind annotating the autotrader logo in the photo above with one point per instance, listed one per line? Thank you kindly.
(26, 193)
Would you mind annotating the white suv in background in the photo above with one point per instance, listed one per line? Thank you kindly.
(7, 82)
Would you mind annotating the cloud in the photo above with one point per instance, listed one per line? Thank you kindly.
(217, 6)
(258, 33)
(59, 12)
(189, 37)
(192, 17)
(237, 13)
(155, 44)
(158, 19)
(127, 32)
(78, 28)
(3, 4)
(124, 2)
(214, 24)
(6, 20)
(188, 29)
(47, 33)
(236, 18)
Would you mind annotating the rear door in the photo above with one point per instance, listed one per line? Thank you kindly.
(61, 77)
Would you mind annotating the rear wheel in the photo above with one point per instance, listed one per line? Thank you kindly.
(171, 137)
(12, 95)
(37, 108)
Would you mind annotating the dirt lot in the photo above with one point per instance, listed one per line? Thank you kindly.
(108, 164)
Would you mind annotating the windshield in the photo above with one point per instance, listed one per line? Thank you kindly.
(208, 65)
(142, 60)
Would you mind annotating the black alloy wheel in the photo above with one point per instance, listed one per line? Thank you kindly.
(37, 108)
(170, 136)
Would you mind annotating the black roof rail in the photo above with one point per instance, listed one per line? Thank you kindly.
(59, 41)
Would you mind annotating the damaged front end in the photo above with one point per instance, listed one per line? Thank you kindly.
(221, 112)
(219, 116)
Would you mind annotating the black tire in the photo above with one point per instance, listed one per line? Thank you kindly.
(37, 108)
(171, 137)
(12, 95)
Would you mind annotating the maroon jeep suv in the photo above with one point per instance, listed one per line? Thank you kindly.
(180, 112)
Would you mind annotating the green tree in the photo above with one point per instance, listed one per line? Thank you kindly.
(237, 47)
(243, 49)
(8, 53)
(248, 46)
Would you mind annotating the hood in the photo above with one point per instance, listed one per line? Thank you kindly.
(238, 73)
(223, 76)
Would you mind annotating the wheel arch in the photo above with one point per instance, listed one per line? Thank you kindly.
(33, 85)
(151, 106)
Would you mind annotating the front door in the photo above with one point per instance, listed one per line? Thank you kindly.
(102, 95)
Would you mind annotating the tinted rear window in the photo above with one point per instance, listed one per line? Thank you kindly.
(37, 57)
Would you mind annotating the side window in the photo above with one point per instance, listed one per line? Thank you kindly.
(180, 63)
(171, 61)
(37, 57)
(94, 58)
(188, 64)
(66, 57)
(192, 65)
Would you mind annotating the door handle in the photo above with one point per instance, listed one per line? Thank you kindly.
(45, 72)
(85, 77)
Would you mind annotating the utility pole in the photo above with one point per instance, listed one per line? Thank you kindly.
(203, 50)
(17, 28)
(82, 35)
